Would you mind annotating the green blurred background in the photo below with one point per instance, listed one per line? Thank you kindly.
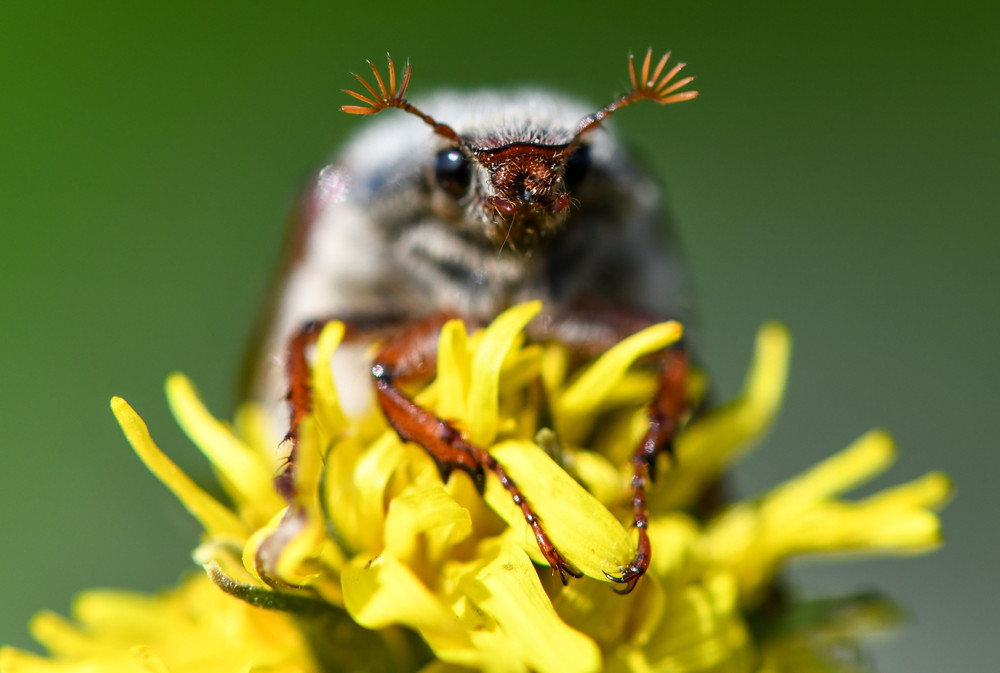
(835, 174)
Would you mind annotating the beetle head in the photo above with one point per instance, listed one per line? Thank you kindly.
(519, 188)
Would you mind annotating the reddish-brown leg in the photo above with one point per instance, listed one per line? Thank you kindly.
(299, 399)
(411, 355)
(301, 402)
(400, 358)
(665, 415)
(592, 330)
(300, 389)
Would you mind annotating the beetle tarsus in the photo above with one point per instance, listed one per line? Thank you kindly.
(630, 576)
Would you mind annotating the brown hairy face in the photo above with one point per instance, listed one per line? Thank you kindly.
(529, 197)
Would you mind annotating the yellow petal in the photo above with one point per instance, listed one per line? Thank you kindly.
(555, 365)
(253, 424)
(586, 533)
(59, 636)
(676, 542)
(308, 463)
(370, 479)
(701, 629)
(521, 368)
(252, 549)
(329, 414)
(600, 477)
(651, 605)
(215, 518)
(497, 340)
(765, 382)
(421, 512)
(18, 661)
(590, 389)
(118, 609)
(381, 591)
(915, 531)
(868, 456)
(847, 528)
(712, 441)
(246, 476)
(191, 628)
(149, 660)
(635, 388)
(594, 609)
(930, 491)
(339, 496)
(453, 370)
(506, 587)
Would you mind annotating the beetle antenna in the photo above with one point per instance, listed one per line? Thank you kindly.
(388, 98)
(655, 88)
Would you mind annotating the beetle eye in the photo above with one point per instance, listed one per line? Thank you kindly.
(452, 172)
(577, 166)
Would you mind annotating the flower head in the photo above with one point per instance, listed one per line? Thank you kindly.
(376, 552)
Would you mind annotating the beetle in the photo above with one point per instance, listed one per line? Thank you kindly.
(509, 196)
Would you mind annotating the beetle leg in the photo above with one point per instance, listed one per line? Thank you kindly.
(299, 399)
(665, 415)
(410, 355)
(593, 329)
(299, 376)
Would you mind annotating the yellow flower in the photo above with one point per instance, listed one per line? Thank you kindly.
(194, 627)
(376, 555)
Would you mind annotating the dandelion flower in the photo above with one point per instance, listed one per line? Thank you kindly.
(376, 564)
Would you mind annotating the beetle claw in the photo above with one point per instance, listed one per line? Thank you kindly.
(629, 578)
